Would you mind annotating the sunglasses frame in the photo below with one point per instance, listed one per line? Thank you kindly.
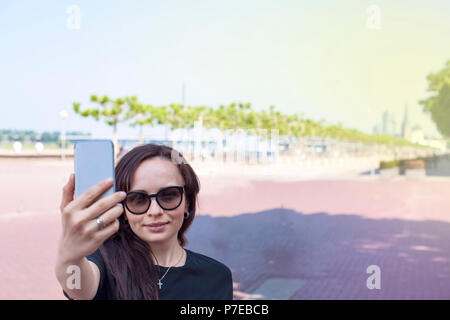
(181, 189)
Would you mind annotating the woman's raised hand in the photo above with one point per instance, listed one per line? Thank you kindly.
(81, 234)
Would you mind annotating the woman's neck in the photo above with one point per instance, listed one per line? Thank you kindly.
(167, 254)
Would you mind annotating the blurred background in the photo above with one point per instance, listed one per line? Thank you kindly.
(320, 132)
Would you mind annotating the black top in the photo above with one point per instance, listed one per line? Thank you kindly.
(201, 278)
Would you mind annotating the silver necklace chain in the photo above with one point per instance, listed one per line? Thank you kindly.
(159, 280)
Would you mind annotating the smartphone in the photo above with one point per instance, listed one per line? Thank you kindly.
(93, 162)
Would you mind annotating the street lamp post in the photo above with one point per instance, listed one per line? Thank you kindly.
(63, 114)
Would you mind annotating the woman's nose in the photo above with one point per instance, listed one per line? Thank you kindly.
(154, 209)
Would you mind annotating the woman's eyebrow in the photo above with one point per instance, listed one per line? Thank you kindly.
(170, 185)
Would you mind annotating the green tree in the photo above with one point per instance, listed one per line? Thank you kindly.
(172, 116)
(111, 111)
(177, 116)
(203, 114)
(144, 113)
(438, 104)
(162, 116)
(221, 118)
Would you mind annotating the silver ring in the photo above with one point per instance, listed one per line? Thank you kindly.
(100, 222)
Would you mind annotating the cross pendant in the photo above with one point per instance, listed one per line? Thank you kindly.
(159, 284)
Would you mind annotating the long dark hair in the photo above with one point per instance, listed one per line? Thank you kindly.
(127, 256)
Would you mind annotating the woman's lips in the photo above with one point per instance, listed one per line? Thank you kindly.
(156, 226)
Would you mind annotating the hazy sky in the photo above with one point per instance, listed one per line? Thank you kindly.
(320, 58)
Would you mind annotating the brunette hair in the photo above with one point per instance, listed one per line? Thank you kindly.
(127, 256)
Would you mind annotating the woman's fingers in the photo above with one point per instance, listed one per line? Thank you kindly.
(108, 231)
(109, 217)
(67, 194)
(81, 233)
(99, 207)
(90, 195)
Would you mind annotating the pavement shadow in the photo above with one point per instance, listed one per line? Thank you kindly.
(328, 255)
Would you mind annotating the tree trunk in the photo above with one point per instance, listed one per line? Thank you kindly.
(116, 151)
(166, 138)
(141, 134)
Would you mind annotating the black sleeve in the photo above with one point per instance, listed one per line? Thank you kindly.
(228, 285)
(223, 287)
(97, 258)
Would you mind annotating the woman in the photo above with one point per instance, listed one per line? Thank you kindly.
(139, 254)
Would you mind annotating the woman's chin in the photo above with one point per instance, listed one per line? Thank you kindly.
(151, 237)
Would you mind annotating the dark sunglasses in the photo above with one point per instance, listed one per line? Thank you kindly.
(168, 198)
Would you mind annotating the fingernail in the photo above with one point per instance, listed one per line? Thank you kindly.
(108, 181)
(122, 193)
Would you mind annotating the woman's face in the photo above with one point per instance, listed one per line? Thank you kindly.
(151, 176)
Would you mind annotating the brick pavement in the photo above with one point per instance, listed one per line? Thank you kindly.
(324, 233)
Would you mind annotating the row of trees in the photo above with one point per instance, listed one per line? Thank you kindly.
(9, 135)
(226, 117)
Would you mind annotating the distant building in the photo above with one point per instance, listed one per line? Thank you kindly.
(376, 129)
(406, 130)
(416, 135)
(385, 121)
(389, 123)
(440, 144)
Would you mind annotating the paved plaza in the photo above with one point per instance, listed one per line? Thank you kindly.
(286, 239)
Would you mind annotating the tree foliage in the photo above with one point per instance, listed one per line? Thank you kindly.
(232, 117)
(438, 104)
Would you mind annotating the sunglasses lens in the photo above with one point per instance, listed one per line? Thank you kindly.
(137, 202)
(169, 198)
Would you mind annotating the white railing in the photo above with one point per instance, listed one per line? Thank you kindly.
(256, 150)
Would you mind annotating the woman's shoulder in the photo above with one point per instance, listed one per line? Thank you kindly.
(203, 261)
